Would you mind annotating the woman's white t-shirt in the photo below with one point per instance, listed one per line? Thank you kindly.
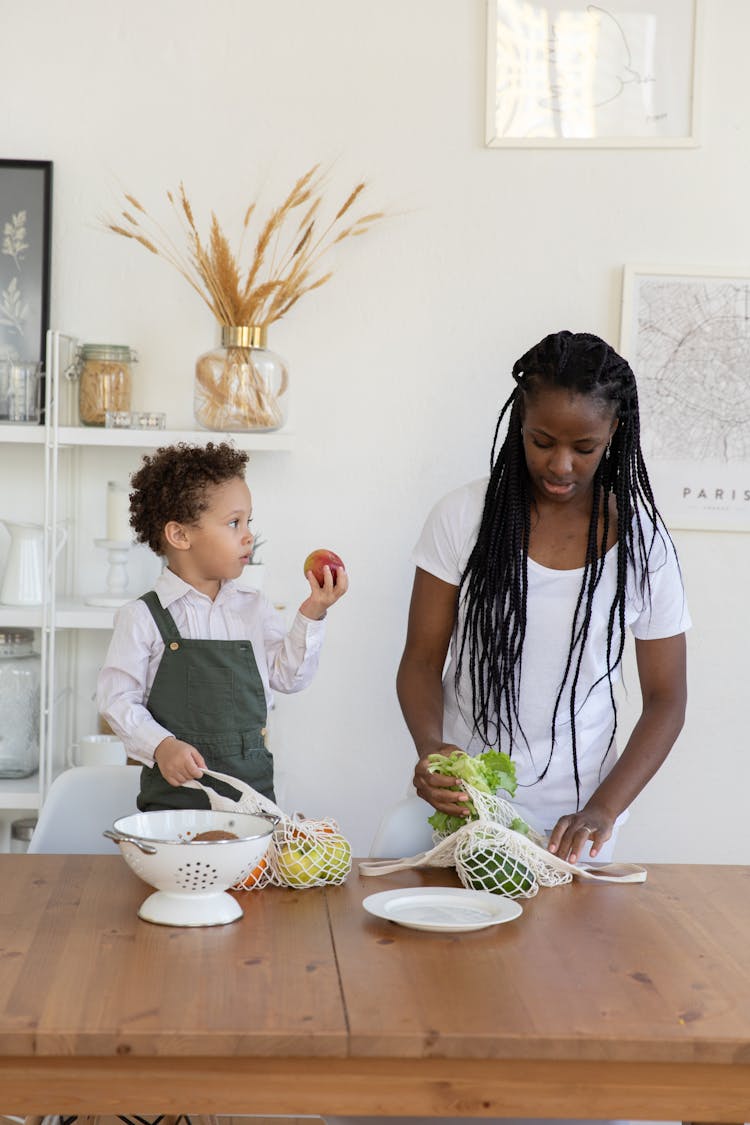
(443, 550)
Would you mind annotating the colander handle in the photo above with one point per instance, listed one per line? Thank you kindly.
(119, 838)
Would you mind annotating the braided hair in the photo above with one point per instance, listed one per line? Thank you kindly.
(494, 586)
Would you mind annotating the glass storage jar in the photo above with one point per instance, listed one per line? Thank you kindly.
(19, 703)
(105, 381)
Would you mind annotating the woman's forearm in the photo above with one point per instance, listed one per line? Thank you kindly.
(650, 742)
(661, 672)
(419, 684)
(420, 693)
(663, 680)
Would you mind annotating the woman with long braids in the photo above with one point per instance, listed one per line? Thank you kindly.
(530, 580)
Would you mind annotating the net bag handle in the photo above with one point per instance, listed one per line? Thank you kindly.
(387, 866)
(250, 799)
(443, 854)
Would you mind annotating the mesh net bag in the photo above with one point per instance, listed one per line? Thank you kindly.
(493, 857)
(496, 810)
(309, 853)
(489, 855)
(303, 852)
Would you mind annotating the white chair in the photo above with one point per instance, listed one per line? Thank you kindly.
(404, 830)
(81, 803)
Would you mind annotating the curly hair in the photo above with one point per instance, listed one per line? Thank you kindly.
(494, 585)
(171, 484)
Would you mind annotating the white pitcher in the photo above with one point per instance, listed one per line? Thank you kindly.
(23, 580)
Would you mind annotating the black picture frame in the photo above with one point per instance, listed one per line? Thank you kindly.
(25, 252)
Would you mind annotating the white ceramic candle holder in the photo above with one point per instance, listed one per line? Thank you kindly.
(117, 574)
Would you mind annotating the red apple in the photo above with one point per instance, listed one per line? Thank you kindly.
(316, 560)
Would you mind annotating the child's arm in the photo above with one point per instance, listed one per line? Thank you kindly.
(122, 690)
(292, 654)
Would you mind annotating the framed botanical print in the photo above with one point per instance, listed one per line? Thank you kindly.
(25, 234)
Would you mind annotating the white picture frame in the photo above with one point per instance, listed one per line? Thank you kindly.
(570, 74)
(686, 333)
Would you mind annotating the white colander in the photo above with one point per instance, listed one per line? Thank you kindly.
(192, 877)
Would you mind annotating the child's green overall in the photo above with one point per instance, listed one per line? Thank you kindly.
(210, 694)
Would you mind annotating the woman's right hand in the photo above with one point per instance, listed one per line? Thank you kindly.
(438, 790)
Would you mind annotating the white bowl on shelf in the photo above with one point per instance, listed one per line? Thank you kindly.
(192, 877)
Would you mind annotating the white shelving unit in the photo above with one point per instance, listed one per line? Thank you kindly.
(150, 439)
(64, 612)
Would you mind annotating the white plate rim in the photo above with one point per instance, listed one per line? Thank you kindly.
(502, 909)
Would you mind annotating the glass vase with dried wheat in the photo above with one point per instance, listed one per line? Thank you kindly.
(243, 385)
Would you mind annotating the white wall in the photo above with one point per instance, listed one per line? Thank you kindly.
(400, 364)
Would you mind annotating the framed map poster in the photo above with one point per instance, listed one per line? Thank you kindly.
(567, 73)
(686, 334)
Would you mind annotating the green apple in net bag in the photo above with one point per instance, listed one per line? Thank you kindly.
(304, 861)
(490, 869)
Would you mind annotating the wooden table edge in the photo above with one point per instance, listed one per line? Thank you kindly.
(376, 1087)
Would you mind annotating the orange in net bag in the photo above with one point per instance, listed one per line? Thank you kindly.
(304, 852)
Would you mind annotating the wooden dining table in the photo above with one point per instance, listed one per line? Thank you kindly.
(598, 1001)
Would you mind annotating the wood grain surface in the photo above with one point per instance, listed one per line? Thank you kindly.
(81, 974)
(599, 1001)
(655, 972)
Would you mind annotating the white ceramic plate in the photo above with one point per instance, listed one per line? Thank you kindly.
(450, 909)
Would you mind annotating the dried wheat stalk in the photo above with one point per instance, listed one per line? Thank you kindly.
(286, 264)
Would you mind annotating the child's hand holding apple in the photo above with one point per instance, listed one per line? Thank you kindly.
(327, 576)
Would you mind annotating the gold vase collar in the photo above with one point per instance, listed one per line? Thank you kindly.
(243, 335)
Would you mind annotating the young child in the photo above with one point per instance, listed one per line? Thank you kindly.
(193, 663)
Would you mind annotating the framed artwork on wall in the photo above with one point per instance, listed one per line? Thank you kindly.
(686, 334)
(25, 235)
(566, 73)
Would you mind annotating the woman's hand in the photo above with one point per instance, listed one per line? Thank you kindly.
(438, 790)
(571, 833)
(178, 761)
(323, 597)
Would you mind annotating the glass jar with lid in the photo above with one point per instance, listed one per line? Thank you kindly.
(19, 703)
(105, 381)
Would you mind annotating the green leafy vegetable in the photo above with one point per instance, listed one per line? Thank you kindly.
(488, 772)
